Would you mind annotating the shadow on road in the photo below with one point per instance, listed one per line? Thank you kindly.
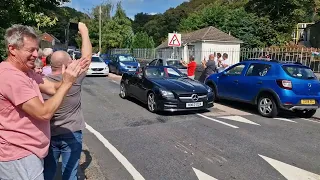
(249, 108)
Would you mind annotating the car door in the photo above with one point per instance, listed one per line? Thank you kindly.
(153, 62)
(112, 63)
(229, 80)
(250, 84)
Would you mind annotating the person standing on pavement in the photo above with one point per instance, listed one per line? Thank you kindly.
(24, 116)
(38, 65)
(209, 68)
(224, 63)
(191, 67)
(47, 68)
(45, 53)
(68, 122)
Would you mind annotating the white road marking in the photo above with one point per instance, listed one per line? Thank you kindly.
(309, 120)
(115, 81)
(231, 110)
(290, 172)
(134, 173)
(284, 119)
(203, 176)
(217, 121)
(239, 119)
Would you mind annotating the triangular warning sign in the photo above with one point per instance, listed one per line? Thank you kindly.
(174, 41)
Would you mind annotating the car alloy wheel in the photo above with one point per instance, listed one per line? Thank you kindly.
(123, 92)
(151, 102)
(267, 107)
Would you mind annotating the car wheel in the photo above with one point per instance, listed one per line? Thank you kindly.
(305, 113)
(267, 107)
(123, 91)
(152, 105)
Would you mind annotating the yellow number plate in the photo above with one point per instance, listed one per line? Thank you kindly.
(308, 101)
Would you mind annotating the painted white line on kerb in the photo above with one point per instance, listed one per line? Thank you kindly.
(217, 121)
(309, 120)
(134, 173)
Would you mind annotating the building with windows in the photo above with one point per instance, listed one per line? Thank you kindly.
(201, 43)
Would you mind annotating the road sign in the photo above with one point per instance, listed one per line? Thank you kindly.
(174, 40)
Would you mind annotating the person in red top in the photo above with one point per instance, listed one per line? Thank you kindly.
(192, 65)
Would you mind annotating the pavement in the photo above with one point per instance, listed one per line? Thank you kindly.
(230, 141)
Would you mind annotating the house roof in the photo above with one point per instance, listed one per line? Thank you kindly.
(49, 37)
(206, 34)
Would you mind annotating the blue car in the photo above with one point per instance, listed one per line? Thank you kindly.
(270, 85)
(121, 63)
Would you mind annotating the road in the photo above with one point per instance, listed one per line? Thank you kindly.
(223, 143)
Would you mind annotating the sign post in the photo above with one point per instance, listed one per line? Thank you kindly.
(174, 40)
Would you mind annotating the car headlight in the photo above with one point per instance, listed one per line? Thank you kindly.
(121, 64)
(138, 64)
(106, 68)
(209, 90)
(167, 94)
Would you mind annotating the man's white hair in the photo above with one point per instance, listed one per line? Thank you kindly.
(47, 51)
(15, 34)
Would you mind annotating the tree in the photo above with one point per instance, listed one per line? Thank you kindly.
(142, 40)
(28, 12)
(254, 31)
(285, 14)
(140, 20)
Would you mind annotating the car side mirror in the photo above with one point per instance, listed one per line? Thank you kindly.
(224, 73)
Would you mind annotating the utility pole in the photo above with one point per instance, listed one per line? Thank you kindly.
(100, 29)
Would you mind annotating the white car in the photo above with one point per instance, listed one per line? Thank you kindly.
(98, 67)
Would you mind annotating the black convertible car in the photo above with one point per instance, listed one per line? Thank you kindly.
(164, 88)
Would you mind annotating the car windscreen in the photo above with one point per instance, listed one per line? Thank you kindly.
(299, 72)
(162, 72)
(96, 59)
(127, 59)
(175, 63)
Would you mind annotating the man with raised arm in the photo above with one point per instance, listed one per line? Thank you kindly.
(68, 122)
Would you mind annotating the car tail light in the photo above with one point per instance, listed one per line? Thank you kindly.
(285, 84)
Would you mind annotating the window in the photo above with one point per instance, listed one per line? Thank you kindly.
(126, 59)
(258, 70)
(175, 63)
(160, 62)
(299, 72)
(162, 72)
(236, 70)
(153, 63)
(96, 59)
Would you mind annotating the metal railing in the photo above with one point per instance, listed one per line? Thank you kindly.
(306, 56)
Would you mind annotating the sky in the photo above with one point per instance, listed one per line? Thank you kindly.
(131, 7)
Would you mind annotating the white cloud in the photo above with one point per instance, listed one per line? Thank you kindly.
(152, 13)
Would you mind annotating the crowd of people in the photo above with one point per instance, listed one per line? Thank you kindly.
(40, 107)
(215, 64)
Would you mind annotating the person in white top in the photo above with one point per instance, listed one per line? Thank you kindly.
(223, 63)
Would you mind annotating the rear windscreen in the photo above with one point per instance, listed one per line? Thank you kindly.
(175, 63)
(299, 72)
